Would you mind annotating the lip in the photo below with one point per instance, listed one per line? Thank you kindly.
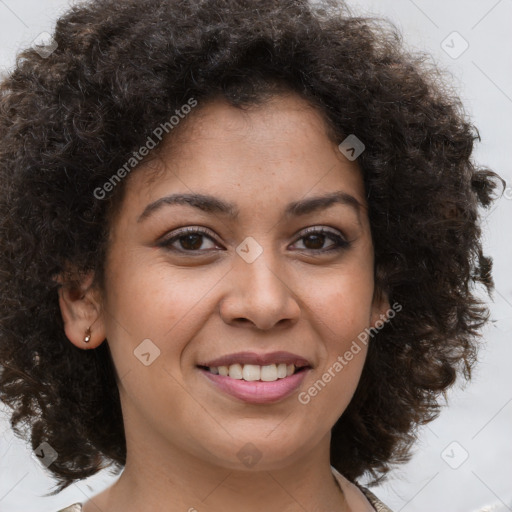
(259, 359)
(257, 392)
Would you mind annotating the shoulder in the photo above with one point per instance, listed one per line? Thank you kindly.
(374, 501)
(76, 507)
(359, 497)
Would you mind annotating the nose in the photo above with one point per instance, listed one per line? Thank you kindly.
(259, 296)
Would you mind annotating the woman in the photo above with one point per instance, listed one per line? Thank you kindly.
(168, 309)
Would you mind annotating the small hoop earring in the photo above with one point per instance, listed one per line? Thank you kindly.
(87, 335)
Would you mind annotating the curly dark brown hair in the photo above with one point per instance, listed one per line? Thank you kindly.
(121, 68)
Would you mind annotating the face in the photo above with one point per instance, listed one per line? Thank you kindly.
(224, 312)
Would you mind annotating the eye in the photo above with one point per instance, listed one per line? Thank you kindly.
(189, 239)
(315, 238)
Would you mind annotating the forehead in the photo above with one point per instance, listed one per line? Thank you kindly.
(281, 148)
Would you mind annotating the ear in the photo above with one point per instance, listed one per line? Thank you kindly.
(81, 312)
(380, 309)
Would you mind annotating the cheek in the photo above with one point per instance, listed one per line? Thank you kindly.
(341, 311)
(148, 299)
(341, 304)
(328, 395)
(334, 381)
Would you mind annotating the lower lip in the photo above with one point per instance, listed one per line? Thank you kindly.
(257, 392)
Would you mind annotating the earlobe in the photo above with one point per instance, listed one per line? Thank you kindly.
(81, 313)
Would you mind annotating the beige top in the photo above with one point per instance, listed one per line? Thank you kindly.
(358, 498)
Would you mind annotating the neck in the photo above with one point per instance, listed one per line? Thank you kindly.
(159, 476)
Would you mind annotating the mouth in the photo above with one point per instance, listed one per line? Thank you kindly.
(257, 378)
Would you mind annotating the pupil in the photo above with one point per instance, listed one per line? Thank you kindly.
(319, 241)
(187, 238)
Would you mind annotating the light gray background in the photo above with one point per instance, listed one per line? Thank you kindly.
(478, 419)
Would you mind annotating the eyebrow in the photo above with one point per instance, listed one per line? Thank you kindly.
(211, 204)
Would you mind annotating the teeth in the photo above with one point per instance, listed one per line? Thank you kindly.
(269, 373)
(236, 372)
(250, 372)
(253, 372)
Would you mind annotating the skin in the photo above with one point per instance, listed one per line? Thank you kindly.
(183, 435)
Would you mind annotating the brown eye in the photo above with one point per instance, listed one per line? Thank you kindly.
(189, 240)
(314, 240)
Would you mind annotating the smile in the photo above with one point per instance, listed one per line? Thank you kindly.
(256, 378)
(256, 383)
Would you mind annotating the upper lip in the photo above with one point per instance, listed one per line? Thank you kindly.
(258, 359)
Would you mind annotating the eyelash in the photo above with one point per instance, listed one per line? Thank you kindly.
(340, 243)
